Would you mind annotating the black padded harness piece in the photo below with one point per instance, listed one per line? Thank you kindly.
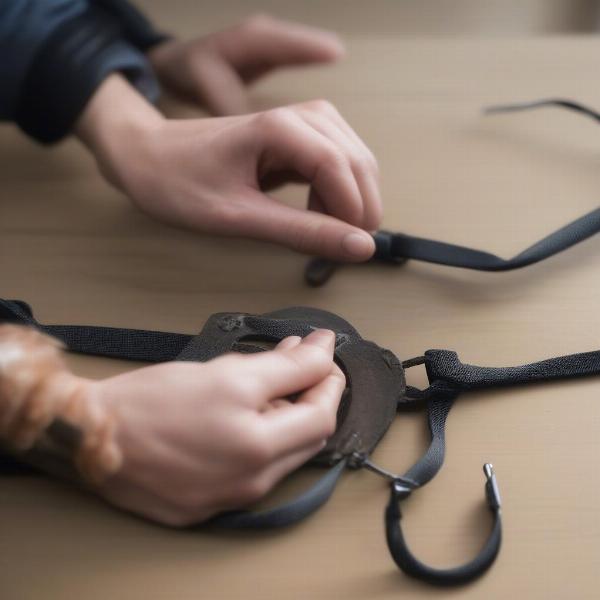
(376, 389)
(397, 248)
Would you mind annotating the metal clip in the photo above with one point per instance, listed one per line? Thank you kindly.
(363, 461)
(492, 492)
(401, 485)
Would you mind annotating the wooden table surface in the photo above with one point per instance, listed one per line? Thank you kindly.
(79, 253)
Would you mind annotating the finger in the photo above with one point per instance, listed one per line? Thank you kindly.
(361, 164)
(275, 404)
(307, 421)
(218, 86)
(374, 211)
(288, 143)
(288, 342)
(315, 203)
(285, 344)
(305, 231)
(279, 373)
(279, 403)
(263, 43)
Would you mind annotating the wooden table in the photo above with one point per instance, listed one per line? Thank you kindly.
(77, 251)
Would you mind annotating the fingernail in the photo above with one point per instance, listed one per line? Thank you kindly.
(358, 245)
(325, 338)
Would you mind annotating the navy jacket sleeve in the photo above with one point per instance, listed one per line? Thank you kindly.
(54, 54)
(136, 27)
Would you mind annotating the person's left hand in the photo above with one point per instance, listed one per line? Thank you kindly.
(214, 70)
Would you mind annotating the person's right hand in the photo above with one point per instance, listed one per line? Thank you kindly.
(213, 174)
(201, 438)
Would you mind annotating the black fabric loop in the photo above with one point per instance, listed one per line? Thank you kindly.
(423, 471)
(412, 566)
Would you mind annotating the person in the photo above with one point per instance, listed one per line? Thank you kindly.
(198, 439)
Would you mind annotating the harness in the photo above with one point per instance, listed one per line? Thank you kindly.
(376, 380)
(376, 391)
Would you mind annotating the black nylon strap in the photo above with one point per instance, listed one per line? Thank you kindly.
(288, 513)
(113, 342)
(399, 247)
(394, 246)
(546, 102)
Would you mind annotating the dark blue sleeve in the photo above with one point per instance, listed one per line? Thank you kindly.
(136, 27)
(53, 55)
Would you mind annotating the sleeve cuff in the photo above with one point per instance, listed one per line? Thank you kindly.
(68, 68)
(136, 27)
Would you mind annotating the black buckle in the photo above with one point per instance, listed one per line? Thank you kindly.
(384, 248)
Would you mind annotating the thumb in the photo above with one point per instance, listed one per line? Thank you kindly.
(304, 230)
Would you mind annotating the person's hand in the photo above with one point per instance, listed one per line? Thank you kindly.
(214, 70)
(212, 174)
(198, 439)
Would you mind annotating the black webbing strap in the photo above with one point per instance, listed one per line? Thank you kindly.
(392, 247)
(288, 513)
(446, 370)
(448, 377)
(113, 342)
(546, 102)
(399, 247)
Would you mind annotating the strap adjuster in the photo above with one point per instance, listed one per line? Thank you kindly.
(384, 248)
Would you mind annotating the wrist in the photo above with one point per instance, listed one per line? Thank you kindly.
(161, 52)
(114, 121)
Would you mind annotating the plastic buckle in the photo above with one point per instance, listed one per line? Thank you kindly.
(383, 248)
